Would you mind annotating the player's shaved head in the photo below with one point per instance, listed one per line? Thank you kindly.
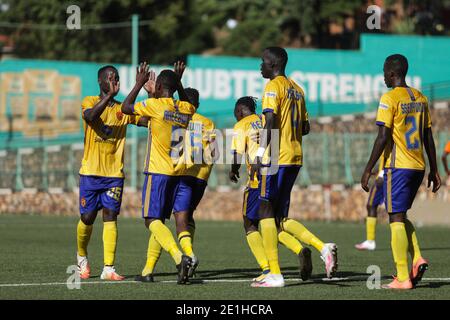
(193, 96)
(398, 64)
(103, 71)
(278, 56)
(168, 80)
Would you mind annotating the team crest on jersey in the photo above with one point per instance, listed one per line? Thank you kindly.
(83, 202)
(119, 115)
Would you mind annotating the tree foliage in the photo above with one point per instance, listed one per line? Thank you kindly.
(173, 29)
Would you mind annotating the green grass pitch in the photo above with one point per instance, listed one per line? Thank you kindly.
(37, 250)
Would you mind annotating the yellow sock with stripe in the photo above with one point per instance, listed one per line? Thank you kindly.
(413, 243)
(371, 224)
(153, 253)
(166, 240)
(399, 244)
(185, 240)
(109, 242)
(270, 241)
(290, 242)
(191, 229)
(84, 232)
(301, 233)
(255, 242)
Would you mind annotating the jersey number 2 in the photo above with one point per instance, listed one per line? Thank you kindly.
(415, 143)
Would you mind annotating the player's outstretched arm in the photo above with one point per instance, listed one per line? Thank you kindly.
(433, 176)
(179, 68)
(380, 143)
(142, 76)
(94, 113)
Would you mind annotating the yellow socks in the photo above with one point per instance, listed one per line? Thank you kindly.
(185, 240)
(166, 240)
(413, 244)
(255, 242)
(399, 244)
(153, 253)
(270, 241)
(290, 242)
(371, 224)
(109, 242)
(301, 233)
(83, 235)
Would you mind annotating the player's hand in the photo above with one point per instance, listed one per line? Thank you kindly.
(114, 86)
(142, 74)
(178, 68)
(365, 181)
(150, 85)
(433, 177)
(234, 176)
(255, 168)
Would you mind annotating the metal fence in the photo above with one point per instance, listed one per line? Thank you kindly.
(337, 158)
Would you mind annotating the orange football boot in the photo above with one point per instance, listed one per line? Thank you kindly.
(417, 270)
(395, 284)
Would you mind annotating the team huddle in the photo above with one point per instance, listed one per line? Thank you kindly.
(182, 148)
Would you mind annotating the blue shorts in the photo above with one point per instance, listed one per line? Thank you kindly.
(100, 192)
(400, 188)
(376, 195)
(158, 195)
(189, 193)
(277, 188)
(250, 207)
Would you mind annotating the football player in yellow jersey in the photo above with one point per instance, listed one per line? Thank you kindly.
(376, 198)
(404, 128)
(201, 151)
(248, 124)
(101, 173)
(196, 169)
(168, 122)
(284, 110)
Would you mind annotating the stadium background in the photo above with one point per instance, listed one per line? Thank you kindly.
(46, 70)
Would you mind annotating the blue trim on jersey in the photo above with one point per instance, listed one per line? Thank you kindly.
(267, 110)
(380, 123)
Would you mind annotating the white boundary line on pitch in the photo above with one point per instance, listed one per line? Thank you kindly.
(5, 285)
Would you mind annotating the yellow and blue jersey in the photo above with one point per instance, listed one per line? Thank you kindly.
(104, 140)
(243, 144)
(200, 133)
(168, 122)
(286, 99)
(404, 111)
